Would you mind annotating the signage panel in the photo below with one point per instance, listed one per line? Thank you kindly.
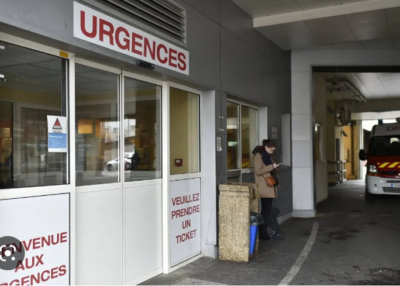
(185, 218)
(38, 229)
(100, 29)
(57, 134)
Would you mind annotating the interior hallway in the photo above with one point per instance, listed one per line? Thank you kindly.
(356, 243)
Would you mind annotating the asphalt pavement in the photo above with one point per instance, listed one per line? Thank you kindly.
(357, 243)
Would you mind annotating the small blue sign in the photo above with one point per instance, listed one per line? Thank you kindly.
(57, 142)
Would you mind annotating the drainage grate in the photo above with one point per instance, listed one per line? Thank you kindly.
(159, 16)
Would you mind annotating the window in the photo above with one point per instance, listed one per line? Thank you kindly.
(184, 132)
(385, 146)
(97, 126)
(249, 127)
(142, 130)
(232, 128)
(242, 135)
(318, 139)
(32, 87)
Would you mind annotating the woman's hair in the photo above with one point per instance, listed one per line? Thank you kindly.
(268, 143)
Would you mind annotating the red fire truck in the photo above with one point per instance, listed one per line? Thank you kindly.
(383, 161)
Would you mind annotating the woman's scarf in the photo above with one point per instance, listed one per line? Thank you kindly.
(266, 158)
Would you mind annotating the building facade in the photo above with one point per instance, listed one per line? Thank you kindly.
(119, 119)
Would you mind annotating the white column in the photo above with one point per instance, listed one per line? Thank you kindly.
(209, 180)
(302, 143)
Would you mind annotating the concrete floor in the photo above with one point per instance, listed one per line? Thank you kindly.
(357, 243)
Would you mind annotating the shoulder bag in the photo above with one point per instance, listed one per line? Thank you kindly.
(270, 181)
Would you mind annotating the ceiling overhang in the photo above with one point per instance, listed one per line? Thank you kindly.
(328, 24)
(325, 12)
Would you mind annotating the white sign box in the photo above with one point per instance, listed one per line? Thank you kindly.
(42, 225)
(274, 133)
(100, 29)
(185, 220)
(57, 134)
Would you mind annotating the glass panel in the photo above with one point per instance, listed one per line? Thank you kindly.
(184, 132)
(142, 130)
(97, 126)
(232, 128)
(32, 86)
(317, 142)
(385, 146)
(249, 134)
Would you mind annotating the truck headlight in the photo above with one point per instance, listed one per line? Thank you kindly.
(372, 169)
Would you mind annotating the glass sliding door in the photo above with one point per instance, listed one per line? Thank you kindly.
(142, 184)
(97, 126)
(142, 130)
(32, 99)
(185, 178)
(184, 132)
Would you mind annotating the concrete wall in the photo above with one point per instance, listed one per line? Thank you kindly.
(304, 199)
(321, 179)
(284, 200)
(330, 142)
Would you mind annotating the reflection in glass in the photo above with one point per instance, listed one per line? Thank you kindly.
(184, 132)
(97, 126)
(232, 128)
(249, 134)
(32, 89)
(317, 142)
(142, 130)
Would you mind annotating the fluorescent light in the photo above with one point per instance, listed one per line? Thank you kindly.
(2, 47)
(1, 75)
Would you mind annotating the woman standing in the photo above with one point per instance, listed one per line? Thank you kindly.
(263, 166)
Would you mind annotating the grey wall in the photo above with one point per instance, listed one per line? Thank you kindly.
(284, 201)
(226, 53)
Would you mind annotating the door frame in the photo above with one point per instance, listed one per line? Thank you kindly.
(239, 160)
(168, 178)
(68, 188)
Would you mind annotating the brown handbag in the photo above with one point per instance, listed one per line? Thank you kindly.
(270, 181)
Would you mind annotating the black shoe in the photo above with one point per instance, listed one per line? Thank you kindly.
(265, 237)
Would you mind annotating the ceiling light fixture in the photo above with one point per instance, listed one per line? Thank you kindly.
(342, 85)
(2, 77)
(2, 47)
